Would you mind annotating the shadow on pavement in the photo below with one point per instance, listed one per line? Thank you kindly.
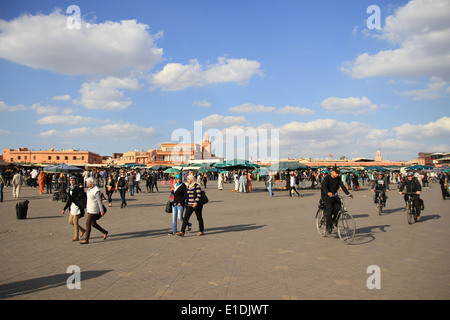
(17, 288)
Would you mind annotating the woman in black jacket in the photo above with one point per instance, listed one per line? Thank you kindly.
(179, 192)
(76, 202)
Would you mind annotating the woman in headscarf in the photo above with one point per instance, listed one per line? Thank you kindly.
(193, 205)
(179, 192)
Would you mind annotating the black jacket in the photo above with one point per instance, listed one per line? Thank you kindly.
(78, 197)
(180, 195)
(332, 185)
(411, 186)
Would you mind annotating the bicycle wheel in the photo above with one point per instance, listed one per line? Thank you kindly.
(409, 214)
(321, 224)
(346, 227)
(380, 205)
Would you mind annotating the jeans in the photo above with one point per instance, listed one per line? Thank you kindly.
(177, 213)
(123, 192)
(131, 187)
(270, 189)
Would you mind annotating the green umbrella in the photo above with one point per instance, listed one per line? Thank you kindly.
(159, 167)
(236, 164)
(288, 165)
(64, 168)
(375, 168)
(171, 170)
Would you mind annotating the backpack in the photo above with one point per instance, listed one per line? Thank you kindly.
(203, 198)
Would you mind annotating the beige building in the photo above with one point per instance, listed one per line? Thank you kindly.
(51, 156)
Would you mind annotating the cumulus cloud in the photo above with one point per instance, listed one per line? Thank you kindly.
(105, 94)
(435, 89)
(249, 108)
(296, 110)
(101, 49)
(65, 97)
(17, 107)
(219, 121)
(351, 105)
(420, 33)
(435, 129)
(201, 103)
(176, 76)
(68, 120)
(113, 131)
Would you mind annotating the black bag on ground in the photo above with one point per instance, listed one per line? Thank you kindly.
(22, 209)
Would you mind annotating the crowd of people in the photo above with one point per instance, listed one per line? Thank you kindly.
(82, 192)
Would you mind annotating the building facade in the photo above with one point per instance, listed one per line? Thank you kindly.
(51, 156)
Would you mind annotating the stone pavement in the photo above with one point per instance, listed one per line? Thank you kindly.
(254, 248)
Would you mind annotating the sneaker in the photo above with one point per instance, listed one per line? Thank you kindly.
(172, 233)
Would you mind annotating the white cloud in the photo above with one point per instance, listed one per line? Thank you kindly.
(65, 97)
(420, 32)
(435, 88)
(176, 76)
(295, 110)
(201, 103)
(437, 129)
(68, 120)
(351, 105)
(105, 94)
(113, 131)
(17, 107)
(219, 121)
(103, 49)
(249, 108)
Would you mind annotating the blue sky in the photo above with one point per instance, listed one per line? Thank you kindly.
(136, 71)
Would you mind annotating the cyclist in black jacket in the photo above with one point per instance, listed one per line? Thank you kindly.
(413, 186)
(330, 186)
(382, 185)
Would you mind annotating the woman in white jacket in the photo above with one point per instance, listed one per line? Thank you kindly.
(94, 209)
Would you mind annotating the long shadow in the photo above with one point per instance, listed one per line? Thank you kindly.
(234, 228)
(138, 234)
(366, 234)
(429, 217)
(17, 288)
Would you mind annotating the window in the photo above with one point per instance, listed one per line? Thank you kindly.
(66, 158)
(57, 157)
(49, 158)
(74, 158)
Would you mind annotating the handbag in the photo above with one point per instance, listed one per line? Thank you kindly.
(169, 206)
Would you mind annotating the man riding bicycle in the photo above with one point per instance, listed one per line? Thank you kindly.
(380, 186)
(330, 186)
(412, 186)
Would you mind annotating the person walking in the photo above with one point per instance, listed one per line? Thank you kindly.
(249, 181)
(292, 185)
(16, 182)
(179, 192)
(2, 184)
(94, 208)
(220, 181)
(41, 182)
(110, 187)
(75, 203)
(122, 187)
(271, 185)
(193, 205)
(154, 178)
(49, 182)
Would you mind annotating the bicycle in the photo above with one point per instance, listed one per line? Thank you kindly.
(411, 214)
(379, 197)
(344, 221)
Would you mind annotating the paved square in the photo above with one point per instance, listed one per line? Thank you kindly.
(255, 247)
